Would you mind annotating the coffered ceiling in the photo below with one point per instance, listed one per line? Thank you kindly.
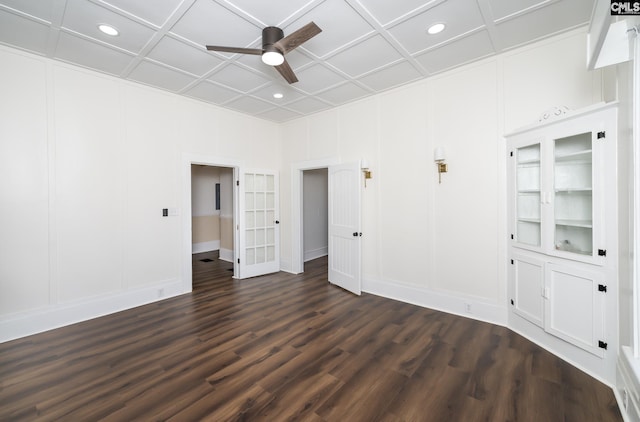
(365, 47)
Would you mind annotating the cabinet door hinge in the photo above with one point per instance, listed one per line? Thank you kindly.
(602, 288)
(602, 135)
(602, 344)
(512, 262)
(237, 183)
(512, 237)
(510, 153)
(238, 260)
(602, 252)
(512, 303)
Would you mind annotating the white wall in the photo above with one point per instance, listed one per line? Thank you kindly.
(441, 245)
(205, 219)
(88, 163)
(85, 181)
(315, 213)
(203, 190)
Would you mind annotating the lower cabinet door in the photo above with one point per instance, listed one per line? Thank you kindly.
(574, 306)
(528, 288)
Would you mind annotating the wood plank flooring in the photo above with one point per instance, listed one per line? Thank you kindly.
(285, 347)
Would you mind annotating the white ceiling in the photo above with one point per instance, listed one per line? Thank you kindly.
(367, 46)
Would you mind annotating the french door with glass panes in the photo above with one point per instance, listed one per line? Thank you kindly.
(259, 235)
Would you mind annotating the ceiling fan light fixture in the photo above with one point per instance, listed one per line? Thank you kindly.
(272, 58)
(436, 28)
(278, 95)
(108, 29)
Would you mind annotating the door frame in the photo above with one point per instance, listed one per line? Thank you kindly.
(297, 233)
(207, 160)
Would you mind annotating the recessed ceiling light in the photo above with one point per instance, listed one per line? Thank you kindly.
(108, 29)
(436, 28)
(278, 95)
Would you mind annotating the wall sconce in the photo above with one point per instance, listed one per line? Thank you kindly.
(438, 157)
(364, 165)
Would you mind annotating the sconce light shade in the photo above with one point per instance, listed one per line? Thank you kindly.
(438, 157)
(364, 163)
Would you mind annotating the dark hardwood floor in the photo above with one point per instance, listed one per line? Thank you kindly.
(285, 347)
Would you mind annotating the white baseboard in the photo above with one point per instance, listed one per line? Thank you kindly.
(56, 316)
(316, 253)
(226, 255)
(212, 245)
(466, 307)
(286, 266)
(627, 390)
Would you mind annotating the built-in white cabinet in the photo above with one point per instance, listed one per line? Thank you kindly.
(562, 226)
(566, 300)
(559, 177)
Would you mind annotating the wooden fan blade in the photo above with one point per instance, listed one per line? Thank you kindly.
(285, 70)
(298, 37)
(255, 51)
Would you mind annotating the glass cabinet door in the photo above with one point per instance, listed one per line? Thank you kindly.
(528, 200)
(573, 194)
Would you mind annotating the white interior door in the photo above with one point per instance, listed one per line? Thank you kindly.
(259, 226)
(344, 226)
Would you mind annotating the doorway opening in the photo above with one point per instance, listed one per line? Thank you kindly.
(315, 209)
(343, 221)
(297, 216)
(209, 216)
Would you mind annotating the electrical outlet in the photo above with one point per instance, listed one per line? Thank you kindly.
(467, 308)
(625, 398)
(160, 292)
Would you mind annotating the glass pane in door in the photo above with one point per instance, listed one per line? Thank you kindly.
(573, 194)
(528, 199)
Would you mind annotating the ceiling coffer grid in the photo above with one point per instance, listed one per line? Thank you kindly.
(365, 47)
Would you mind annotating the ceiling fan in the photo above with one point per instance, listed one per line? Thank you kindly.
(275, 45)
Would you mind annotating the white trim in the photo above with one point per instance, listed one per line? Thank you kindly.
(187, 160)
(297, 232)
(432, 299)
(226, 255)
(635, 147)
(56, 316)
(572, 114)
(316, 253)
(212, 245)
(286, 266)
(628, 389)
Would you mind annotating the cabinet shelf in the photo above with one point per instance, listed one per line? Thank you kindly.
(573, 190)
(570, 248)
(588, 224)
(529, 220)
(529, 163)
(583, 156)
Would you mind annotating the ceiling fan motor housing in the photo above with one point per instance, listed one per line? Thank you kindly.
(270, 36)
